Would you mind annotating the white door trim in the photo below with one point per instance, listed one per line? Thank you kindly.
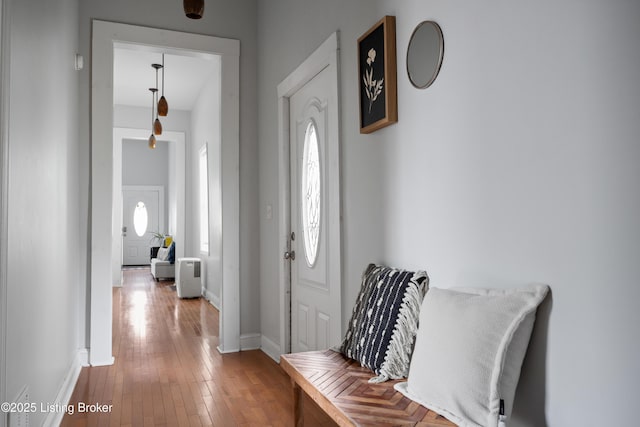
(4, 194)
(324, 56)
(104, 35)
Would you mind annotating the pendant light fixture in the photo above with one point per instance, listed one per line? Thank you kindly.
(157, 107)
(157, 126)
(193, 8)
(163, 106)
(152, 138)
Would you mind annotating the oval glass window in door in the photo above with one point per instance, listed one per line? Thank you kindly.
(140, 219)
(311, 199)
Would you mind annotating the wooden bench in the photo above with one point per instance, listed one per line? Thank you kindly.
(340, 387)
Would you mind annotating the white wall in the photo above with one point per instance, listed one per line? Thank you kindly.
(205, 130)
(518, 165)
(44, 209)
(143, 166)
(235, 20)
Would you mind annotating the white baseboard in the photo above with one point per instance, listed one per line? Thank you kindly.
(214, 300)
(270, 348)
(118, 281)
(83, 357)
(228, 351)
(54, 418)
(107, 362)
(250, 342)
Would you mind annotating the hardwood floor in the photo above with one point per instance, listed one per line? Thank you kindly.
(168, 372)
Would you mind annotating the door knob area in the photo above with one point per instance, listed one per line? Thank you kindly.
(290, 255)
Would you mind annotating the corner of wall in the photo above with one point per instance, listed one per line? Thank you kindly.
(270, 348)
(250, 342)
(214, 300)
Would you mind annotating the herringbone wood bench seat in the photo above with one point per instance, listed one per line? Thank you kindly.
(340, 387)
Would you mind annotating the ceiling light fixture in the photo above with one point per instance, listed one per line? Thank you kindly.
(160, 107)
(163, 106)
(157, 107)
(152, 138)
(157, 126)
(193, 8)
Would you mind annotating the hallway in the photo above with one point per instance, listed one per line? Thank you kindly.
(168, 371)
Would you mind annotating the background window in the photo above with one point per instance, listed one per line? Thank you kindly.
(140, 219)
(204, 200)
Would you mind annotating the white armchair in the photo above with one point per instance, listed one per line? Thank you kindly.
(163, 265)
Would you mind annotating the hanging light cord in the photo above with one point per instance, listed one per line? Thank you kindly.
(155, 96)
(153, 103)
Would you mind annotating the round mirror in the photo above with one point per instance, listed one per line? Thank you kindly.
(424, 54)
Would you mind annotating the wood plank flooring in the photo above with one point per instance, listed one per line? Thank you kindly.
(168, 372)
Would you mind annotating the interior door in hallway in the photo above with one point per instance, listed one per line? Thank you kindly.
(315, 224)
(142, 209)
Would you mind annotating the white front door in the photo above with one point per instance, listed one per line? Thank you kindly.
(141, 212)
(314, 250)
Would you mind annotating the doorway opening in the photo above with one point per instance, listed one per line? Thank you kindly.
(174, 191)
(107, 35)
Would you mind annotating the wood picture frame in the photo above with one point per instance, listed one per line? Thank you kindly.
(377, 74)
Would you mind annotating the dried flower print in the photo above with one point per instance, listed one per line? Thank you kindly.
(372, 87)
(372, 56)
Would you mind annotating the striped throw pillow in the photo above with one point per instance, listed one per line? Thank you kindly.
(384, 321)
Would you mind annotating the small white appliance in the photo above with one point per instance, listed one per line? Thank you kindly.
(188, 280)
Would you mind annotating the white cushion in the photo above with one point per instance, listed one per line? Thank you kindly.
(163, 254)
(162, 269)
(469, 350)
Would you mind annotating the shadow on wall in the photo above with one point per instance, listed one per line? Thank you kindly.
(529, 403)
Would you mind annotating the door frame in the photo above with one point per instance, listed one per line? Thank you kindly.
(4, 195)
(325, 56)
(177, 154)
(104, 36)
(160, 189)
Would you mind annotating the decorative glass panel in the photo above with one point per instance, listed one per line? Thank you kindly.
(311, 194)
(140, 219)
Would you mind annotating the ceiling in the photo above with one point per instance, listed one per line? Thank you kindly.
(185, 74)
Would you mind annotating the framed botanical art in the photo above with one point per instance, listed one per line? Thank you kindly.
(378, 76)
